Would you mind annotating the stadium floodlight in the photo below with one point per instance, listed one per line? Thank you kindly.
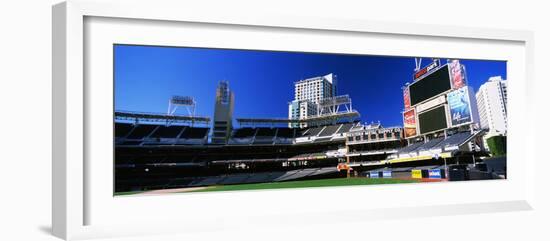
(418, 64)
(186, 101)
(332, 105)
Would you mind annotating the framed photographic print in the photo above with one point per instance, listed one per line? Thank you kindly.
(177, 121)
(301, 132)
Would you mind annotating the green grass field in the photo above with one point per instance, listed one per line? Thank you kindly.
(307, 183)
(128, 193)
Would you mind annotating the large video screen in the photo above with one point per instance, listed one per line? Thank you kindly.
(433, 120)
(430, 86)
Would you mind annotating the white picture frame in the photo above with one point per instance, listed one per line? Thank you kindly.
(74, 199)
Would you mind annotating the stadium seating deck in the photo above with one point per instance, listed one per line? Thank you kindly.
(275, 175)
(263, 140)
(329, 130)
(323, 171)
(167, 132)
(131, 143)
(141, 131)
(159, 134)
(345, 128)
(300, 174)
(430, 144)
(313, 131)
(240, 141)
(290, 176)
(438, 143)
(260, 177)
(410, 148)
(194, 133)
(286, 175)
(264, 135)
(207, 181)
(455, 139)
(122, 129)
(179, 182)
(302, 132)
(285, 132)
(244, 132)
(266, 132)
(234, 179)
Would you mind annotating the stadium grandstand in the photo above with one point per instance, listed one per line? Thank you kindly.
(174, 152)
(140, 129)
(373, 143)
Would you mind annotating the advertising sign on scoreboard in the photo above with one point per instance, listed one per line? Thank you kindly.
(436, 63)
(458, 77)
(406, 98)
(459, 106)
(409, 123)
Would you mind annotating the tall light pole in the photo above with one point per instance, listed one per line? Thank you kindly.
(445, 167)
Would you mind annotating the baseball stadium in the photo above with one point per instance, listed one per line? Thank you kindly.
(323, 142)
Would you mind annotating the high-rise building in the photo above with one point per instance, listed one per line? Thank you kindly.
(491, 101)
(223, 113)
(308, 93)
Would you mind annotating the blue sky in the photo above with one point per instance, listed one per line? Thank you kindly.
(147, 76)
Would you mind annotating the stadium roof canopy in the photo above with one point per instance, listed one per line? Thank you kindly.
(156, 117)
(250, 160)
(316, 120)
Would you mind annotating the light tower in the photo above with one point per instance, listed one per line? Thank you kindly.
(223, 113)
(332, 105)
(186, 101)
(418, 64)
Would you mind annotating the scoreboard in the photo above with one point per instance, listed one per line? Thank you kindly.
(439, 98)
(433, 120)
(432, 85)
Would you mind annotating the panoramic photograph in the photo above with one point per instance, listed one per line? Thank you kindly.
(189, 119)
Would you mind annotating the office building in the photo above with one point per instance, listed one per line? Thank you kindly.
(491, 101)
(308, 93)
